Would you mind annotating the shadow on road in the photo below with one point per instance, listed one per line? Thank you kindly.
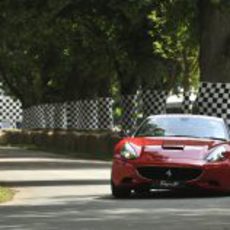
(49, 165)
(105, 212)
(164, 195)
(21, 159)
(54, 183)
(17, 152)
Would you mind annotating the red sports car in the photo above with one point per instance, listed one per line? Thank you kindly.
(173, 152)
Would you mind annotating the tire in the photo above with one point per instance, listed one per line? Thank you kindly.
(120, 192)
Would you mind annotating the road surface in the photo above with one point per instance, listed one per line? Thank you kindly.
(59, 193)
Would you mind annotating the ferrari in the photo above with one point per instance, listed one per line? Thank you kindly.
(173, 152)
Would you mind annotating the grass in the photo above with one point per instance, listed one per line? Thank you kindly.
(6, 194)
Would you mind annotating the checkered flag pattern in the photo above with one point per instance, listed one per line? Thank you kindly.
(49, 115)
(11, 110)
(214, 99)
(154, 102)
(60, 118)
(45, 116)
(88, 117)
(34, 117)
(73, 114)
(105, 113)
(38, 118)
(187, 103)
(129, 104)
(84, 114)
(27, 118)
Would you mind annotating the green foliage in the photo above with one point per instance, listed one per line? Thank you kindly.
(175, 38)
(58, 50)
(30, 49)
(6, 194)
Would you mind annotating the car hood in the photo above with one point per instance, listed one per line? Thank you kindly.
(160, 149)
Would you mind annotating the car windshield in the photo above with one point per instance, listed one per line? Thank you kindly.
(196, 127)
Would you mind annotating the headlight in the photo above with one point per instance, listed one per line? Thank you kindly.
(217, 154)
(128, 151)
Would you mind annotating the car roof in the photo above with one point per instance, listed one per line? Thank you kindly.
(187, 116)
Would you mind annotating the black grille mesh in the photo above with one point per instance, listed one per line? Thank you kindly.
(169, 174)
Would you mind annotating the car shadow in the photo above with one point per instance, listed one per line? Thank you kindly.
(167, 194)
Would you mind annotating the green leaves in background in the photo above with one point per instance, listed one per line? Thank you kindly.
(58, 50)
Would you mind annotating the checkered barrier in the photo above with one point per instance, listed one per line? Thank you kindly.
(34, 117)
(214, 99)
(49, 115)
(73, 114)
(187, 103)
(154, 102)
(45, 116)
(83, 114)
(60, 116)
(88, 116)
(105, 113)
(37, 117)
(129, 104)
(11, 110)
(27, 118)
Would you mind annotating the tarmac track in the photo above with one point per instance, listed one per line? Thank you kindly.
(53, 192)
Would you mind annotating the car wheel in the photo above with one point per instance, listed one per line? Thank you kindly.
(120, 192)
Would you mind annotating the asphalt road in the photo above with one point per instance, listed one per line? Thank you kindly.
(57, 193)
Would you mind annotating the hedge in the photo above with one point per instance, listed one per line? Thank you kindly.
(82, 144)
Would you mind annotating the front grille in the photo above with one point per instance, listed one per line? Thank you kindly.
(169, 174)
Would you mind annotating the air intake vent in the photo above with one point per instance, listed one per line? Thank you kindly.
(170, 174)
(173, 147)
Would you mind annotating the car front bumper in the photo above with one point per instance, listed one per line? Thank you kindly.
(215, 176)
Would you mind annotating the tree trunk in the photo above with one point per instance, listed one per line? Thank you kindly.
(186, 103)
(215, 40)
(129, 104)
(105, 113)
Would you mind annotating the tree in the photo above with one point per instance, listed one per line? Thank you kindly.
(30, 49)
(215, 40)
(66, 50)
(175, 40)
(117, 32)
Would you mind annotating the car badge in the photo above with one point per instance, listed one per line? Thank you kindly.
(169, 173)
